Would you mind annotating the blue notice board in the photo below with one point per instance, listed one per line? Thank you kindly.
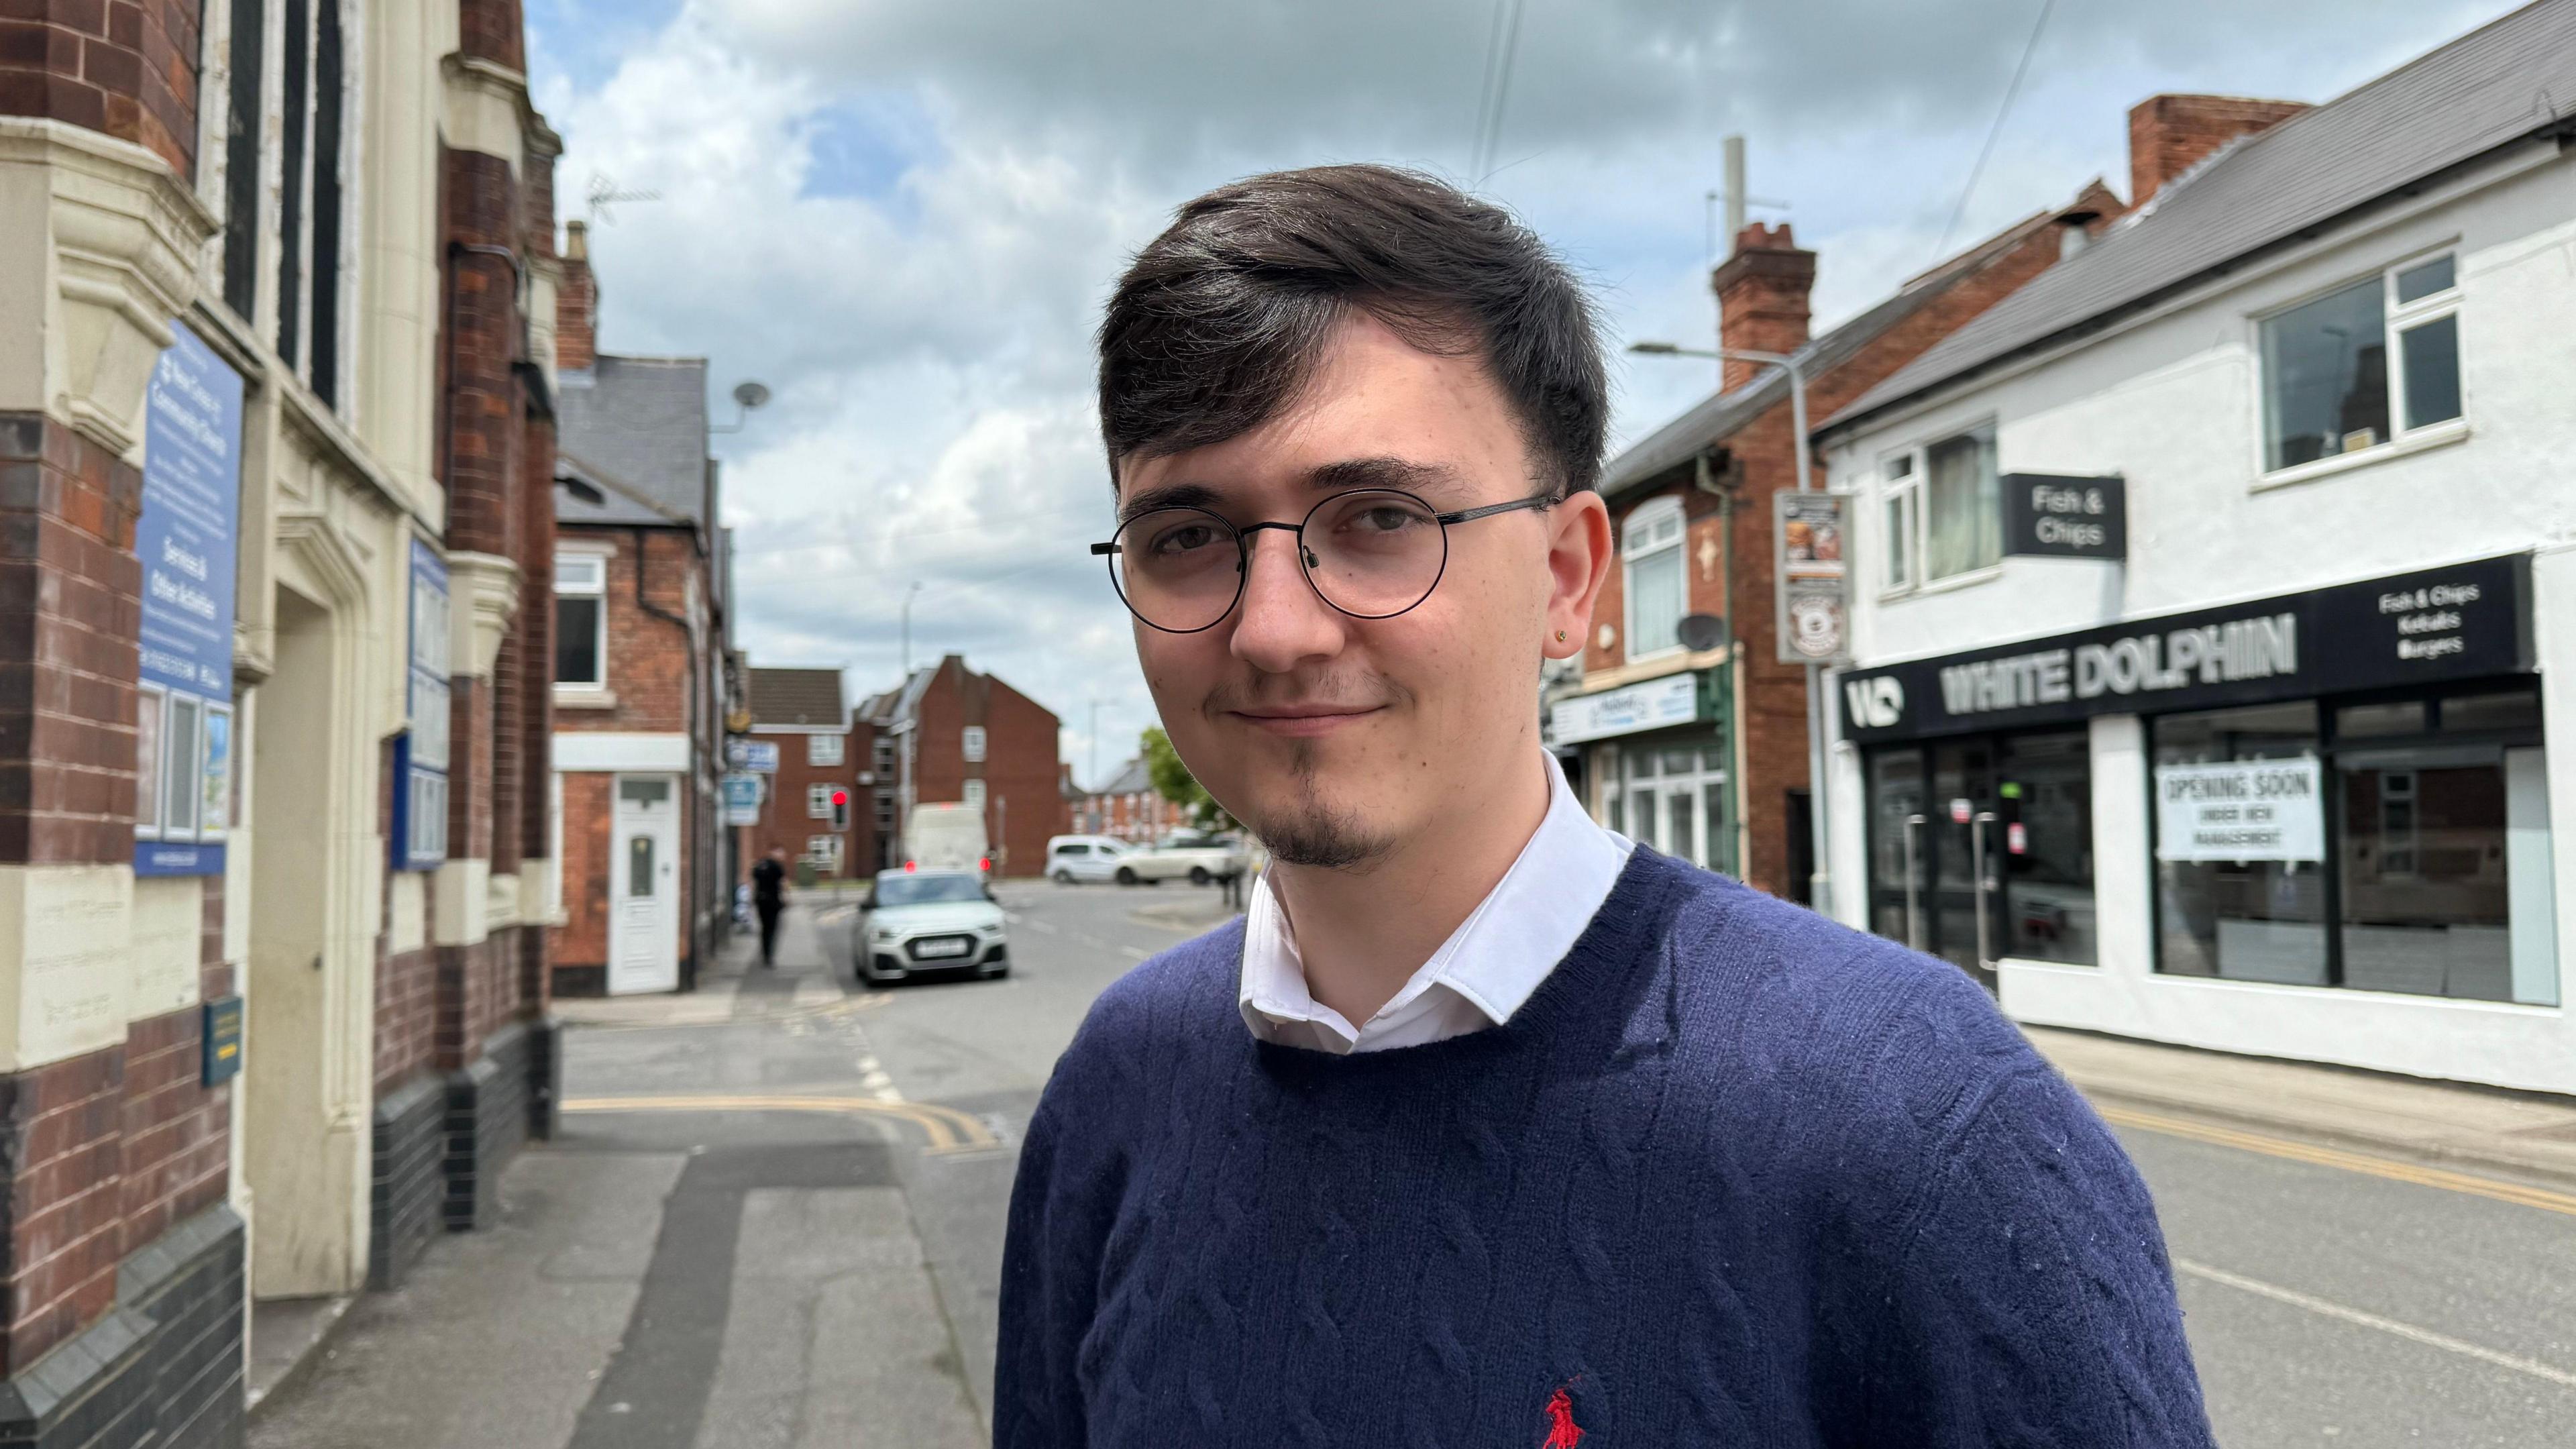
(186, 542)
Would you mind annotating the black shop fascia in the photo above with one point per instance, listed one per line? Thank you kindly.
(2435, 626)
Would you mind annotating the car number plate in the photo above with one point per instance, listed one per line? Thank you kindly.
(940, 948)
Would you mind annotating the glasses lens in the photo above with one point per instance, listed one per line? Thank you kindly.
(1374, 554)
(1178, 568)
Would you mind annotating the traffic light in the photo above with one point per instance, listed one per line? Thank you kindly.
(840, 810)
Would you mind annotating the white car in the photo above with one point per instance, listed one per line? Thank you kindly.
(1078, 858)
(915, 921)
(1200, 857)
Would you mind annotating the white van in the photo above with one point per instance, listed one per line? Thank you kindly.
(947, 837)
(1072, 858)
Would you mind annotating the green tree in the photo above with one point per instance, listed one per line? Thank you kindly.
(1174, 782)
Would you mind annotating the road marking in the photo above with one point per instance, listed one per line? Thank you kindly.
(2362, 1162)
(2408, 1331)
(1132, 953)
(949, 1131)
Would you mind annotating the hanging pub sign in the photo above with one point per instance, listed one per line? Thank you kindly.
(2466, 621)
(1809, 573)
(2048, 516)
(184, 540)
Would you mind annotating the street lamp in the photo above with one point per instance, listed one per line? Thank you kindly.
(1820, 878)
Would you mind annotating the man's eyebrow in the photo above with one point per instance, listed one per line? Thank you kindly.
(1168, 495)
(1388, 472)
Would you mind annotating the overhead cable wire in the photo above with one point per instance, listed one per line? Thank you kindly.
(2011, 90)
(1499, 68)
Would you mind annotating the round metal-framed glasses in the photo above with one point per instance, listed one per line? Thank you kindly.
(1371, 553)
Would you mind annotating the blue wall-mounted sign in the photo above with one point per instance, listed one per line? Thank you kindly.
(186, 542)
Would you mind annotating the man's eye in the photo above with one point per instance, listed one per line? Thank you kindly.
(1173, 543)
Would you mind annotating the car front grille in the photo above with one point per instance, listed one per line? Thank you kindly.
(956, 948)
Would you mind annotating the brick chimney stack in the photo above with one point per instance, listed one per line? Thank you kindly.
(2169, 135)
(576, 303)
(1762, 297)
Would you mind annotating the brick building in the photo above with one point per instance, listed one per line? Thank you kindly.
(640, 662)
(1703, 753)
(268, 435)
(951, 735)
(814, 806)
(1128, 807)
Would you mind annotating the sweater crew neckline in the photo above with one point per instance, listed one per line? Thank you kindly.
(1616, 942)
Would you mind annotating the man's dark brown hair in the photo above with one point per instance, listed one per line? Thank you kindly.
(1221, 320)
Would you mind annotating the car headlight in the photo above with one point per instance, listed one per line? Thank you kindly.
(884, 933)
(990, 928)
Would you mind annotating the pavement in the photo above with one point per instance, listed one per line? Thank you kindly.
(774, 1219)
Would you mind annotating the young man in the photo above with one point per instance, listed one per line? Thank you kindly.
(1485, 1127)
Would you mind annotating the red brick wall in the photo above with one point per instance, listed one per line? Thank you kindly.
(60, 1125)
(492, 30)
(124, 67)
(2170, 134)
(577, 303)
(1020, 762)
(784, 822)
(1762, 297)
(582, 940)
(69, 605)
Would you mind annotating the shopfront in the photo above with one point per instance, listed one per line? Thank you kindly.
(1655, 763)
(2320, 797)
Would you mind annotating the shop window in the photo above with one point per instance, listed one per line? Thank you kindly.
(822, 749)
(1673, 798)
(581, 620)
(2328, 386)
(1981, 849)
(1941, 511)
(2240, 895)
(1650, 554)
(2431, 811)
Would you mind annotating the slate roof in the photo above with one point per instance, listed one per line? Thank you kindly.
(2511, 79)
(635, 429)
(1132, 778)
(1719, 415)
(796, 697)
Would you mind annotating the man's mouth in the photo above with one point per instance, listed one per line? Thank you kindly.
(1304, 721)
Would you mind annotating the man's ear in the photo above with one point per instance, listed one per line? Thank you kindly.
(1578, 562)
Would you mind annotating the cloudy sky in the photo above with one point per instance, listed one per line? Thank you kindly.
(902, 215)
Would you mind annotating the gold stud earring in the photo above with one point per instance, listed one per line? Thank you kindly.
(1560, 636)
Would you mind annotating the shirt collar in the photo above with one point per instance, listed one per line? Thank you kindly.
(1480, 976)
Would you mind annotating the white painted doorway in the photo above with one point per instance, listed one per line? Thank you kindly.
(644, 886)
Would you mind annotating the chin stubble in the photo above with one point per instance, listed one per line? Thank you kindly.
(1311, 833)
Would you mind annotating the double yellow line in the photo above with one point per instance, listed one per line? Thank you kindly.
(2362, 1162)
(948, 1132)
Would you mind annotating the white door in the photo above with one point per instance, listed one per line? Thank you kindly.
(644, 881)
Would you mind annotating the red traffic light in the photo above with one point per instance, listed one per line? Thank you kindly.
(840, 797)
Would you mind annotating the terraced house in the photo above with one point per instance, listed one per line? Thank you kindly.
(275, 441)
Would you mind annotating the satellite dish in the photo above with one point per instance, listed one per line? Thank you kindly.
(750, 395)
(1701, 632)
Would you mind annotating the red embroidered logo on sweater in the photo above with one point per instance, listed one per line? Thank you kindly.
(1562, 1431)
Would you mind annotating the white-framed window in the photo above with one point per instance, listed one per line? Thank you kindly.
(818, 802)
(823, 749)
(1900, 502)
(1941, 509)
(1657, 592)
(975, 793)
(2362, 365)
(973, 744)
(825, 852)
(581, 620)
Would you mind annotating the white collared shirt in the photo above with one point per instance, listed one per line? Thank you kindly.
(1479, 976)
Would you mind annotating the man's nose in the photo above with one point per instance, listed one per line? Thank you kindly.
(1280, 622)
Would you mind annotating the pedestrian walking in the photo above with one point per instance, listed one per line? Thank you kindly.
(769, 900)
(1484, 1125)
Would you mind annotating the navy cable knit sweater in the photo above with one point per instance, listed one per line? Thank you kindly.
(1734, 1175)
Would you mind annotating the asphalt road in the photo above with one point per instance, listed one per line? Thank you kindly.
(774, 1221)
